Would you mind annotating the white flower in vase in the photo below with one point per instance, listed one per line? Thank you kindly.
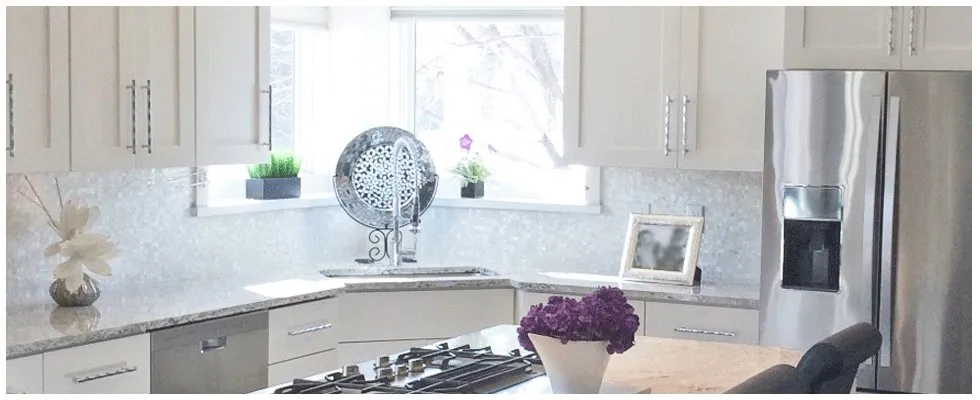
(83, 251)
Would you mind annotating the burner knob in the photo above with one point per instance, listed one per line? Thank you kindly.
(386, 373)
(416, 365)
(402, 370)
(352, 369)
(382, 362)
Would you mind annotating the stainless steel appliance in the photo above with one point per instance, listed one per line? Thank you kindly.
(226, 355)
(866, 217)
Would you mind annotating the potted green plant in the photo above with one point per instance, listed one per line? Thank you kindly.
(471, 171)
(277, 179)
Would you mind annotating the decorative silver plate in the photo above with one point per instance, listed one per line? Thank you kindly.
(363, 180)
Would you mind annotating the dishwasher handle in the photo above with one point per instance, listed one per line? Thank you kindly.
(216, 343)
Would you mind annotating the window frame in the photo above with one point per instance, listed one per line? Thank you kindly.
(401, 88)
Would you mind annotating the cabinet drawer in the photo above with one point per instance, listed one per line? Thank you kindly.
(686, 321)
(303, 367)
(373, 316)
(302, 329)
(527, 299)
(24, 375)
(115, 366)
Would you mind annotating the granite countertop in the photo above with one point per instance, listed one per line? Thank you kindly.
(42, 326)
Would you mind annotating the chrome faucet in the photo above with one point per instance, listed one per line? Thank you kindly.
(401, 143)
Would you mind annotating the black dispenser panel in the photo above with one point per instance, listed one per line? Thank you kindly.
(811, 237)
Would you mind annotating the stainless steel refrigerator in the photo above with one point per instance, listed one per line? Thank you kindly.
(866, 217)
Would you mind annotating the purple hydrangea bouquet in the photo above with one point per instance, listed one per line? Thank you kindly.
(575, 338)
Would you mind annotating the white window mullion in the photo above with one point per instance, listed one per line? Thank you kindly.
(402, 59)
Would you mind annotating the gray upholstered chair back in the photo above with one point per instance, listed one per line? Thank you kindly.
(778, 379)
(831, 365)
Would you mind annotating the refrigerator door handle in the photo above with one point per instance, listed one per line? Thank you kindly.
(886, 287)
(875, 131)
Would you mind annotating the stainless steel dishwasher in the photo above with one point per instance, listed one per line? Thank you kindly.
(225, 355)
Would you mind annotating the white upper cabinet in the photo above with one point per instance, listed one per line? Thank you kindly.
(910, 38)
(131, 87)
(938, 38)
(232, 88)
(37, 137)
(723, 79)
(621, 85)
(669, 87)
(843, 37)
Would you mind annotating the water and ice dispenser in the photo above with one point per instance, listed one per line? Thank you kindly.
(811, 237)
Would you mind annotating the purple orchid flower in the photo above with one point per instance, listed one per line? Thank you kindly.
(465, 142)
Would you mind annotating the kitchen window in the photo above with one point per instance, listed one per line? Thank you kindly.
(497, 76)
(494, 74)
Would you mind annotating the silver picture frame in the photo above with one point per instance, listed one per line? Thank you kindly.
(667, 251)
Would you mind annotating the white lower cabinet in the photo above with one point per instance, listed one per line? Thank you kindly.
(114, 366)
(357, 352)
(688, 321)
(303, 367)
(377, 316)
(24, 375)
(303, 340)
(383, 323)
(527, 299)
(302, 329)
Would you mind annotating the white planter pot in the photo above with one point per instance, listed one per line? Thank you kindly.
(573, 367)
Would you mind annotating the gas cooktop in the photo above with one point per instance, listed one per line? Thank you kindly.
(436, 369)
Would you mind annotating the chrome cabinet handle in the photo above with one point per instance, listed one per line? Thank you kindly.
(684, 103)
(891, 30)
(132, 113)
(10, 115)
(311, 329)
(703, 331)
(149, 119)
(912, 31)
(101, 375)
(667, 102)
(269, 93)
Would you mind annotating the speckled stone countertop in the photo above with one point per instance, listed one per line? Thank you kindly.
(41, 327)
(44, 326)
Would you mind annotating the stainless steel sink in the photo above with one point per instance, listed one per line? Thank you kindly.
(407, 272)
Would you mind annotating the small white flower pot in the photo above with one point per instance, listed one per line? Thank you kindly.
(576, 367)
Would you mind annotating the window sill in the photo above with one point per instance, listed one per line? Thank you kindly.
(328, 200)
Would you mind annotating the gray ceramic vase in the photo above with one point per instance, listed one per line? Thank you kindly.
(85, 296)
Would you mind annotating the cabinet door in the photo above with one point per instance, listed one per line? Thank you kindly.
(132, 84)
(114, 366)
(232, 78)
(164, 59)
(303, 367)
(723, 79)
(937, 38)
(104, 90)
(621, 86)
(37, 89)
(843, 37)
(24, 375)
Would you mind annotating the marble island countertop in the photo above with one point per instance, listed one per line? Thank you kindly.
(42, 326)
(652, 365)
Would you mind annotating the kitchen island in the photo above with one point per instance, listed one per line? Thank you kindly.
(653, 365)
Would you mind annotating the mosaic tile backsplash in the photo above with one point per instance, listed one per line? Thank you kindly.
(147, 213)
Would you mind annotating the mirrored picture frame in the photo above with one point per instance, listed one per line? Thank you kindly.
(661, 248)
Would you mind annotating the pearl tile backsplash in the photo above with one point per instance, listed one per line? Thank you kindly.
(147, 213)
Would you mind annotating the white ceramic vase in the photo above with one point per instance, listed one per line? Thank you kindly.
(576, 367)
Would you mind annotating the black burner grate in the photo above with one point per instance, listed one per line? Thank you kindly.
(460, 370)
